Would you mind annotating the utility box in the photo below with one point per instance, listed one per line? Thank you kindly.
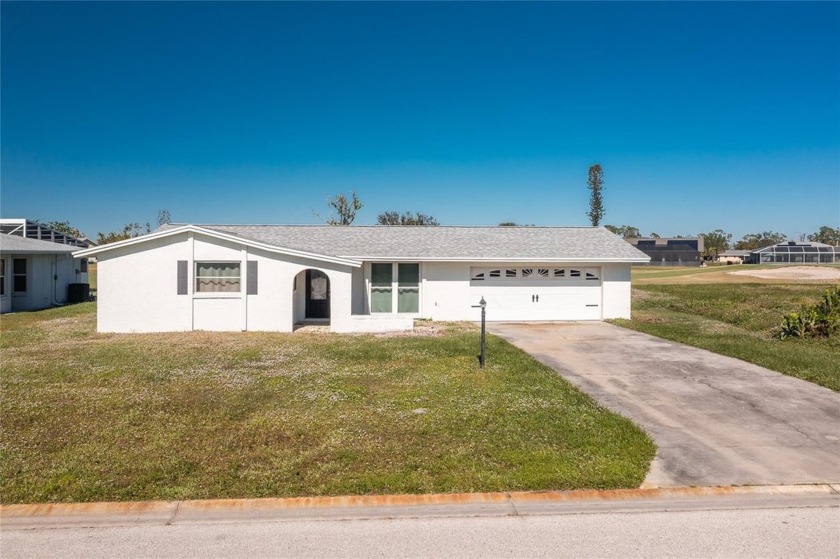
(78, 292)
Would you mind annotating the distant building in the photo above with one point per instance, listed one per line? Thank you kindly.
(792, 252)
(671, 252)
(37, 267)
(39, 274)
(733, 256)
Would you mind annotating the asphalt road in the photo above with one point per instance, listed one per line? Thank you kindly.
(715, 420)
(805, 525)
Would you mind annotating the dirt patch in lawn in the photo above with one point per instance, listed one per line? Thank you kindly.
(800, 273)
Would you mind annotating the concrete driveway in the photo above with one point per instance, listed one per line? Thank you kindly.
(716, 420)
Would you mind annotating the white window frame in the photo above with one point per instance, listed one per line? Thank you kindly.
(395, 287)
(216, 294)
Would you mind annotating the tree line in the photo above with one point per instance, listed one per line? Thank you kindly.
(343, 209)
(718, 240)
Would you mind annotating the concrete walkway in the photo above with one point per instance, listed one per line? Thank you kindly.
(716, 420)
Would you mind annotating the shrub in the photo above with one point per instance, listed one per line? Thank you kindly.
(819, 320)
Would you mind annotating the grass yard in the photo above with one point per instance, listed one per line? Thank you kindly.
(93, 417)
(737, 320)
(648, 275)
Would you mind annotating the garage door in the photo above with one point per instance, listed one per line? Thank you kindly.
(538, 292)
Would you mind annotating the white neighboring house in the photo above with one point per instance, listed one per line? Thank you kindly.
(35, 274)
(358, 278)
(733, 256)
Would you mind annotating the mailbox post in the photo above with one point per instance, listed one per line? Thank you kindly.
(483, 306)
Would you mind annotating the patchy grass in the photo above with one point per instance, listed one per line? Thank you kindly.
(92, 417)
(738, 320)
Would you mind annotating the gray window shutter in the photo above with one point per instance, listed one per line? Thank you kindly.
(182, 277)
(251, 288)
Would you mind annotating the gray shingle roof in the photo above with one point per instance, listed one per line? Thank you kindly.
(442, 243)
(13, 244)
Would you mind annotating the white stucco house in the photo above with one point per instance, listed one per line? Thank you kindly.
(358, 278)
(35, 274)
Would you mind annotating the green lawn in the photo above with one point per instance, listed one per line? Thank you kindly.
(738, 320)
(714, 272)
(91, 417)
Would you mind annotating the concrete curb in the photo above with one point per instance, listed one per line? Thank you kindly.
(58, 515)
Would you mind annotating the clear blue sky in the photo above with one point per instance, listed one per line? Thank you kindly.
(704, 115)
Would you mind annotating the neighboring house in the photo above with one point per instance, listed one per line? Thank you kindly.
(36, 274)
(357, 278)
(34, 230)
(733, 256)
(670, 252)
(791, 252)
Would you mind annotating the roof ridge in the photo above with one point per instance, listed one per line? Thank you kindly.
(377, 226)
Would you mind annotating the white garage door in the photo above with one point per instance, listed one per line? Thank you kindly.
(538, 292)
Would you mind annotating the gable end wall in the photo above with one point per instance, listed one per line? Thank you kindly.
(138, 288)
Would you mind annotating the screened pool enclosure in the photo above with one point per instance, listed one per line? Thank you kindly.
(793, 253)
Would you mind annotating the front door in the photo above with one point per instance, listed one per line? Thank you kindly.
(317, 294)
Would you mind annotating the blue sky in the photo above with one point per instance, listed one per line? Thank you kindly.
(703, 115)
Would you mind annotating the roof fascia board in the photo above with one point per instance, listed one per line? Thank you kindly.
(216, 235)
(29, 251)
(497, 259)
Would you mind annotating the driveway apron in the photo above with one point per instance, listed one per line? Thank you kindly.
(716, 420)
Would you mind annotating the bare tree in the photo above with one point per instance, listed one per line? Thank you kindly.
(342, 210)
(163, 217)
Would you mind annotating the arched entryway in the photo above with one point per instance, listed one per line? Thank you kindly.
(317, 294)
(312, 296)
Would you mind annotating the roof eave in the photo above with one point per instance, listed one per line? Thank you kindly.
(217, 235)
(632, 260)
(25, 251)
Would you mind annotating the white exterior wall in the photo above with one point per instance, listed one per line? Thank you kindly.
(299, 297)
(6, 297)
(137, 289)
(360, 294)
(617, 292)
(42, 289)
(446, 293)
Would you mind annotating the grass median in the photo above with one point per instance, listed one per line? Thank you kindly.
(738, 320)
(93, 417)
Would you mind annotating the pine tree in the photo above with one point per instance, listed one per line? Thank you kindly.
(596, 202)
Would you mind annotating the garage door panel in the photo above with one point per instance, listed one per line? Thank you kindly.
(540, 302)
(538, 291)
